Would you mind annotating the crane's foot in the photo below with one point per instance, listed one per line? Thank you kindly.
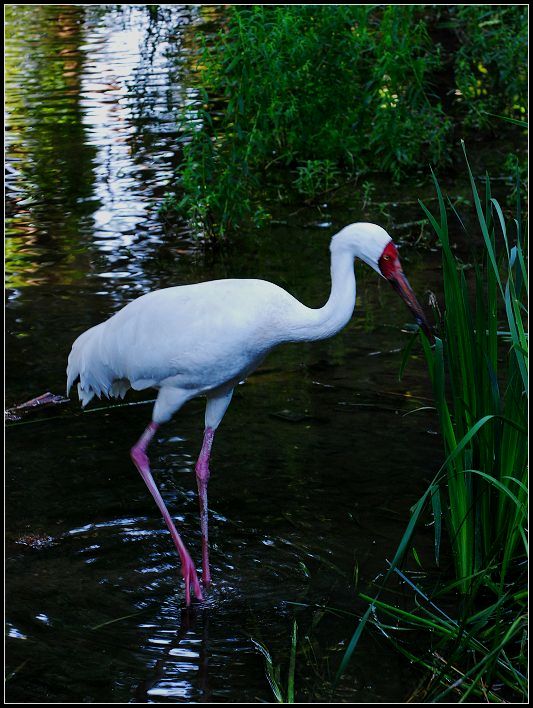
(190, 577)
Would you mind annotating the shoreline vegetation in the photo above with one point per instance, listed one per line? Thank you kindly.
(292, 102)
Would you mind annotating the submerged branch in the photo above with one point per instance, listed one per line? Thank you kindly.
(17, 414)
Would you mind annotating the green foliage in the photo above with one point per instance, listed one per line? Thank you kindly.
(309, 89)
(480, 656)
(491, 62)
(274, 672)
(316, 177)
(486, 484)
(478, 368)
(303, 97)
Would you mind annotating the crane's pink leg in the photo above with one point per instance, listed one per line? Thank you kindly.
(140, 460)
(202, 477)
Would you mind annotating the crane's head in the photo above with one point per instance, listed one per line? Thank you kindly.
(374, 246)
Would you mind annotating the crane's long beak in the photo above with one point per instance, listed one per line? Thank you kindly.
(400, 283)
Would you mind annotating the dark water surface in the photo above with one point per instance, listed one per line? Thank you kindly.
(315, 465)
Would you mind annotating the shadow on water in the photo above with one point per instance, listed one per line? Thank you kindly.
(316, 464)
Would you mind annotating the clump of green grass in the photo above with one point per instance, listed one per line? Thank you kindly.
(486, 483)
(273, 671)
(478, 368)
(316, 177)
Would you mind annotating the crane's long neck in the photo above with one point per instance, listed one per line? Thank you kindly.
(328, 320)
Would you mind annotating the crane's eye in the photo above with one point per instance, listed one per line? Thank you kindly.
(386, 258)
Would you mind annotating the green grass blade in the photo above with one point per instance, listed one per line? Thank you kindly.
(353, 642)
(437, 518)
(292, 664)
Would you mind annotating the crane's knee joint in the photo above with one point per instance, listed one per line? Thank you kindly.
(139, 457)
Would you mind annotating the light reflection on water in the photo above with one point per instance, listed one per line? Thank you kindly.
(315, 466)
(92, 138)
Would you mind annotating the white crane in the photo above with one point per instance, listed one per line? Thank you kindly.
(205, 338)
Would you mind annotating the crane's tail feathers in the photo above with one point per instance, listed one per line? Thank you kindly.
(88, 363)
(119, 388)
(84, 396)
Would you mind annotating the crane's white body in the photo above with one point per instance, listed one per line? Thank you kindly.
(203, 339)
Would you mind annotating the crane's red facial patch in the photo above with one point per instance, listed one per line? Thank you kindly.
(391, 268)
(389, 262)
